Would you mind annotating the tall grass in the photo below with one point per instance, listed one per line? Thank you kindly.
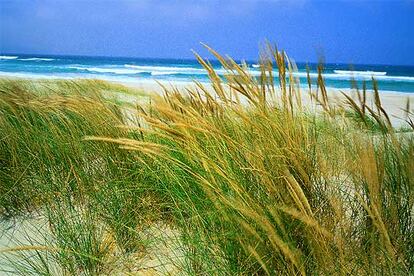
(47, 168)
(253, 180)
(40, 143)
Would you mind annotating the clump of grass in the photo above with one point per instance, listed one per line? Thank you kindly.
(41, 142)
(258, 187)
(47, 167)
(79, 237)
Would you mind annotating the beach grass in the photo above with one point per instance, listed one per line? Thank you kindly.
(241, 176)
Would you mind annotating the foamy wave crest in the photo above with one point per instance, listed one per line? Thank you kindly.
(363, 73)
(175, 69)
(118, 71)
(8, 57)
(367, 77)
(155, 73)
(37, 59)
(167, 70)
(395, 78)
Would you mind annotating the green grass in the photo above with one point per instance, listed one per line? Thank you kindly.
(248, 177)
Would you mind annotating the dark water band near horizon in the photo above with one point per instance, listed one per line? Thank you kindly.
(122, 69)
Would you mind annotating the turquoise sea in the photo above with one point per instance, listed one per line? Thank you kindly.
(389, 77)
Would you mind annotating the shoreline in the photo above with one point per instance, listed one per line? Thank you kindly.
(152, 84)
(394, 102)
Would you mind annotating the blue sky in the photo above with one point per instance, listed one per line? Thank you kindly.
(358, 31)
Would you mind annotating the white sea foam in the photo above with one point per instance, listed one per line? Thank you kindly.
(347, 75)
(335, 76)
(160, 73)
(8, 57)
(167, 70)
(177, 69)
(118, 71)
(342, 75)
(37, 59)
(363, 73)
(395, 78)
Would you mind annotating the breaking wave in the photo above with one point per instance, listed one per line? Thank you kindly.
(8, 57)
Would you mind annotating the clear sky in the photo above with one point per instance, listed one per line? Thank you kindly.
(359, 31)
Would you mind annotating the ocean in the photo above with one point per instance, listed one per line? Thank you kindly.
(389, 77)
